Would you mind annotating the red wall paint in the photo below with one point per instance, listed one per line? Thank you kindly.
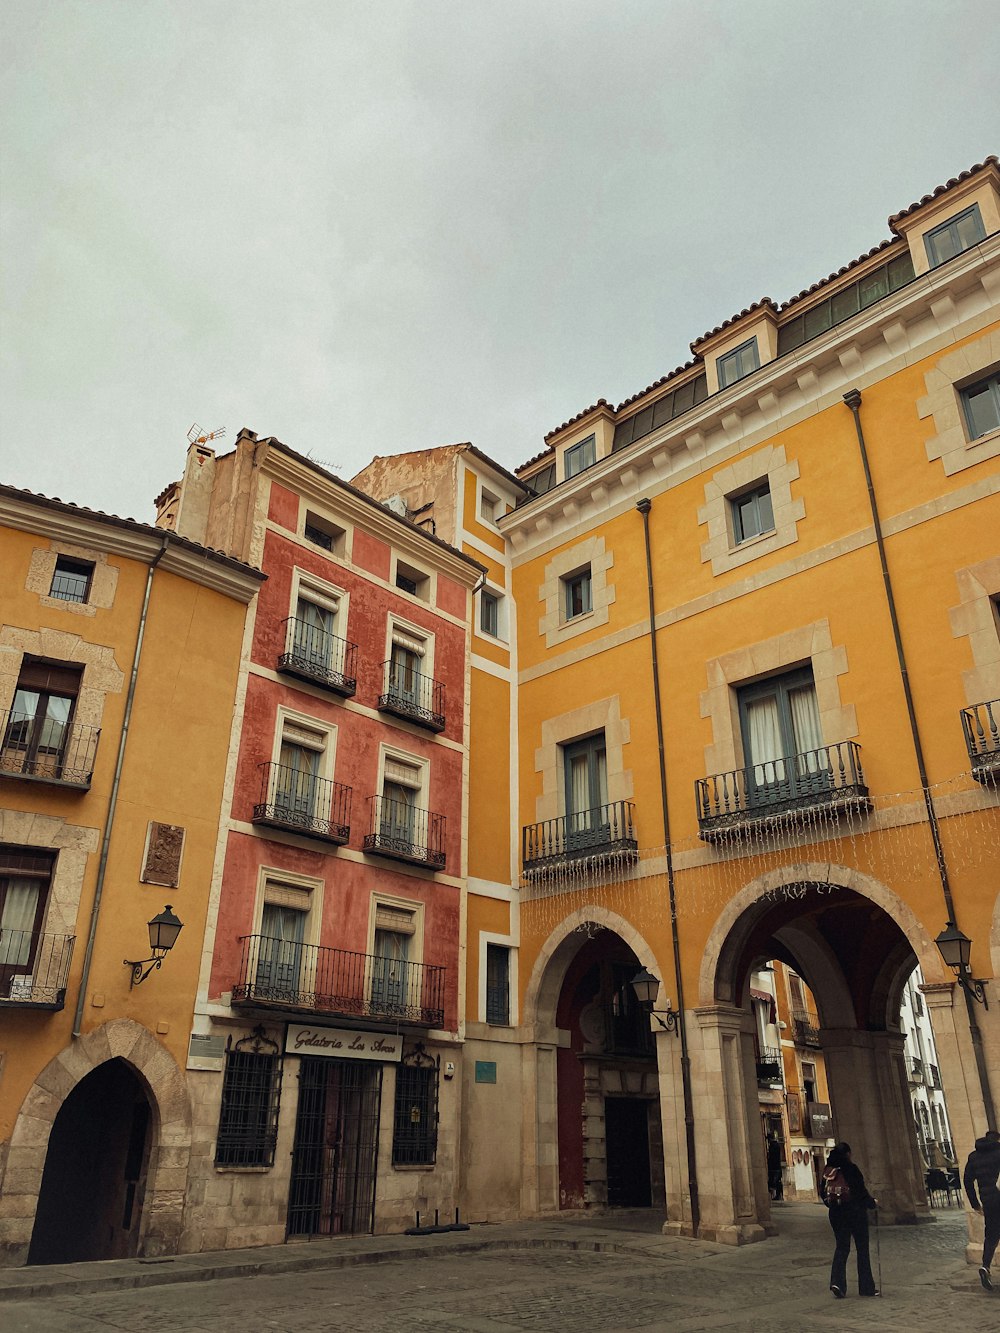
(349, 884)
(371, 554)
(283, 507)
(451, 597)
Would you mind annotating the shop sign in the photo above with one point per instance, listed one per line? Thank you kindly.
(820, 1121)
(342, 1043)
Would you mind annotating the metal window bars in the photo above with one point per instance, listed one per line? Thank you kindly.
(315, 655)
(34, 968)
(404, 832)
(46, 750)
(981, 724)
(606, 832)
(302, 802)
(409, 694)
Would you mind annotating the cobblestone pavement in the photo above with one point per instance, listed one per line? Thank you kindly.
(637, 1281)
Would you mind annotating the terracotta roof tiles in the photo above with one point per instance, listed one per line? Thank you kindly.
(990, 161)
(601, 402)
(765, 303)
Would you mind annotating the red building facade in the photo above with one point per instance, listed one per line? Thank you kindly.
(326, 1037)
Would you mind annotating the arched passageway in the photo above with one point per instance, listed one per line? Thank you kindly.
(93, 1185)
(597, 1125)
(855, 959)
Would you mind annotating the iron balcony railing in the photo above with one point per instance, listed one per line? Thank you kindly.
(402, 832)
(411, 694)
(294, 799)
(336, 981)
(981, 724)
(806, 1033)
(828, 779)
(769, 1068)
(319, 657)
(43, 750)
(605, 833)
(34, 968)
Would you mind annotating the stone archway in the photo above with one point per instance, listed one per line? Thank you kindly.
(601, 1076)
(123, 1039)
(854, 942)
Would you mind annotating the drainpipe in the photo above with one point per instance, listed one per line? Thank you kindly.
(853, 400)
(644, 506)
(102, 866)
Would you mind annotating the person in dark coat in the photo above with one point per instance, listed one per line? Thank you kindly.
(774, 1183)
(981, 1174)
(849, 1219)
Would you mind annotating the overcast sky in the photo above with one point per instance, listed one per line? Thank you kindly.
(372, 227)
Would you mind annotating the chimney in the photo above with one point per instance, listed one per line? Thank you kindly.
(196, 493)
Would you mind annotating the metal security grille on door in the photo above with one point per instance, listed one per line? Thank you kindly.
(334, 1156)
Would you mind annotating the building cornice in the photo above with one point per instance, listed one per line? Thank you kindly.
(901, 324)
(59, 521)
(288, 469)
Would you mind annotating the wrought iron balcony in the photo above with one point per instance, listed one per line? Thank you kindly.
(981, 724)
(769, 1066)
(293, 799)
(829, 780)
(606, 833)
(805, 1033)
(34, 968)
(402, 832)
(40, 749)
(412, 695)
(321, 658)
(316, 980)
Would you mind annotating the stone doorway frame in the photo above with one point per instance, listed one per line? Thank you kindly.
(170, 1135)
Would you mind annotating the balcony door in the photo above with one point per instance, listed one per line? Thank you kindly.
(782, 739)
(404, 674)
(314, 641)
(279, 958)
(38, 725)
(390, 971)
(297, 784)
(586, 777)
(24, 881)
(398, 815)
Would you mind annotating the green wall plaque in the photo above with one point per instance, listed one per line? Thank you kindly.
(486, 1071)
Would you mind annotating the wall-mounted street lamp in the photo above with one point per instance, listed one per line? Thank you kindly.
(163, 931)
(956, 947)
(646, 988)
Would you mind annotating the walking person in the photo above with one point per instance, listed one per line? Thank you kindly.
(982, 1173)
(848, 1202)
(774, 1182)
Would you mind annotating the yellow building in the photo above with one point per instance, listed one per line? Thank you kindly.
(119, 654)
(798, 764)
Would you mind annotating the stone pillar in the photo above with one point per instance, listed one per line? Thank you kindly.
(732, 1170)
(960, 1080)
(872, 1112)
(595, 1150)
(668, 1070)
(540, 1162)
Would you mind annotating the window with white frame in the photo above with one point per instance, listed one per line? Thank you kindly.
(752, 513)
(981, 402)
(401, 814)
(314, 631)
(395, 974)
(410, 663)
(278, 971)
(298, 789)
(492, 614)
(489, 506)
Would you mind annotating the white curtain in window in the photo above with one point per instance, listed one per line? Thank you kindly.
(805, 725)
(579, 793)
(764, 730)
(19, 908)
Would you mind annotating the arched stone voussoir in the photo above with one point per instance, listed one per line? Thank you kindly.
(559, 949)
(823, 873)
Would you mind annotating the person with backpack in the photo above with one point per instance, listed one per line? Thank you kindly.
(982, 1172)
(848, 1202)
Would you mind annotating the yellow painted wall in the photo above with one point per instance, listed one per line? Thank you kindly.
(709, 616)
(473, 523)
(173, 773)
(489, 779)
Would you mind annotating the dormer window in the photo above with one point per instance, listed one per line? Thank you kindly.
(738, 363)
(959, 233)
(581, 456)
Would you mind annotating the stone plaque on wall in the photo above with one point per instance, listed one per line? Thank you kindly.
(164, 845)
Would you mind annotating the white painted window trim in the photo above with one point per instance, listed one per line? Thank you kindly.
(429, 574)
(414, 761)
(507, 941)
(311, 588)
(503, 628)
(498, 501)
(307, 506)
(324, 729)
(409, 630)
(412, 905)
(268, 876)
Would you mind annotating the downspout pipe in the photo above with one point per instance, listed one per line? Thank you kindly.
(853, 400)
(102, 865)
(644, 506)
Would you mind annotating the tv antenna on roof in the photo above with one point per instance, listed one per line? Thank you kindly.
(197, 436)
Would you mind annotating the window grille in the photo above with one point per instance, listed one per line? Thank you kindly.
(71, 579)
(414, 1134)
(251, 1093)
